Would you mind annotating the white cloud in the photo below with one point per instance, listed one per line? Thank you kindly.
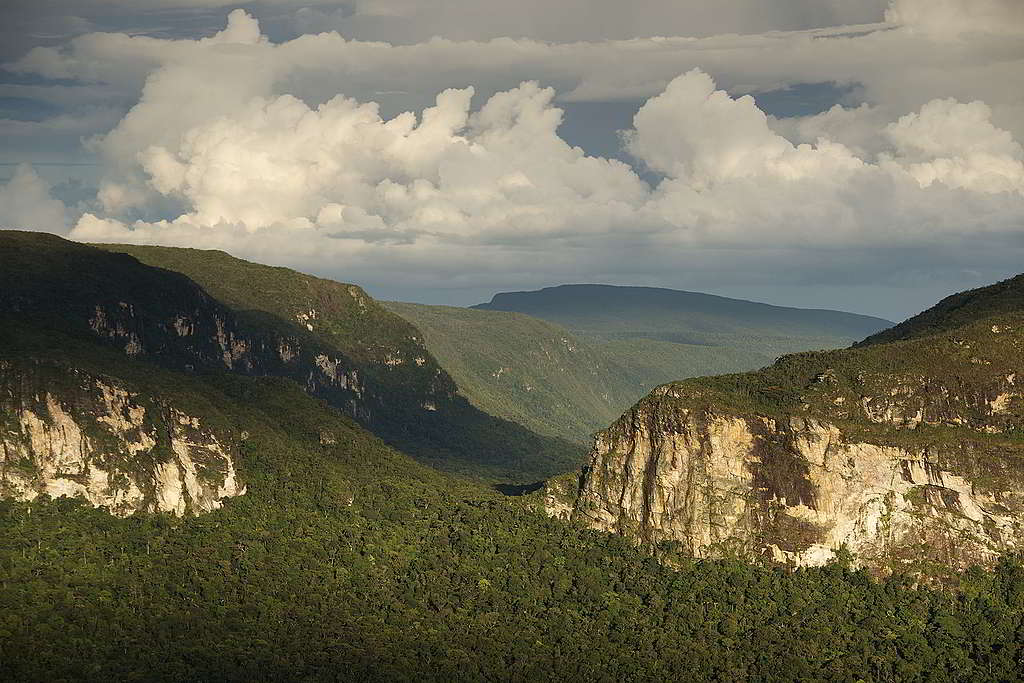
(248, 146)
(496, 174)
(26, 204)
(956, 144)
(339, 185)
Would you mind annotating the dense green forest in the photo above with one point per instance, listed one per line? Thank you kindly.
(351, 562)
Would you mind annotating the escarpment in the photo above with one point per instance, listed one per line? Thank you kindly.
(67, 432)
(908, 455)
(220, 316)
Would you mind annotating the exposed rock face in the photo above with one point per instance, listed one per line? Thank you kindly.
(163, 317)
(100, 442)
(896, 467)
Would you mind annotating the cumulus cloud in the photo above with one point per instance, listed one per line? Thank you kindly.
(957, 145)
(501, 173)
(26, 204)
(340, 184)
(283, 154)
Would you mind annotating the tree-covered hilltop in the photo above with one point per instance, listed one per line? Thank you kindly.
(957, 310)
(346, 560)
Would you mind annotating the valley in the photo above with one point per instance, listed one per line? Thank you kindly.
(216, 469)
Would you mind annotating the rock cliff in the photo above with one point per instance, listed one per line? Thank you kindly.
(95, 439)
(909, 455)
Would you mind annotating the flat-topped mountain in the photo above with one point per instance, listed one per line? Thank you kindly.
(612, 312)
(906, 454)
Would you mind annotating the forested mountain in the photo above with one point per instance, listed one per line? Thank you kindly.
(343, 346)
(185, 507)
(908, 453)
(958, 310)
(566, 361)
(555, 382)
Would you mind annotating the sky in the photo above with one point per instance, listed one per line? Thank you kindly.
(863, 155)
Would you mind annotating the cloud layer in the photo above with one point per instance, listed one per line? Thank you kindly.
(279, 151)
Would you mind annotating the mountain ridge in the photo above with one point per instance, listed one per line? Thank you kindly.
(670, 291)
(616, 312)
(331, 338)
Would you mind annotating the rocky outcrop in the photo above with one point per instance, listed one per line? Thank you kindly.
(96, 440)
(903, 469)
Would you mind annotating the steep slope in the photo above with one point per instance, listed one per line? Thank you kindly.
(611, 312)
(957, 310)
(129, 441)
(909, 454)
(347, 350)
(523, 369)
(541, 375)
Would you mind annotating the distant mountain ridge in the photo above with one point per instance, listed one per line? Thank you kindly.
(565, 361)
(617, 312)
(555, 382)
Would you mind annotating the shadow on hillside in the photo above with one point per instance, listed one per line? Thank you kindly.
(518, 489)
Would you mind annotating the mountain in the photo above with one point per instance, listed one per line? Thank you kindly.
(958, 310)
(552, 381)
(331, 338)
(625, 313)
(259, 532)
(907, 453)
(567, 360)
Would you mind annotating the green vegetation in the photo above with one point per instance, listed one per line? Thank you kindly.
(551, 380)
(958, 310)
(565, 361)
(340, 315)
(648, 363)
(86, 293)
(524, 369)
(349, 561)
